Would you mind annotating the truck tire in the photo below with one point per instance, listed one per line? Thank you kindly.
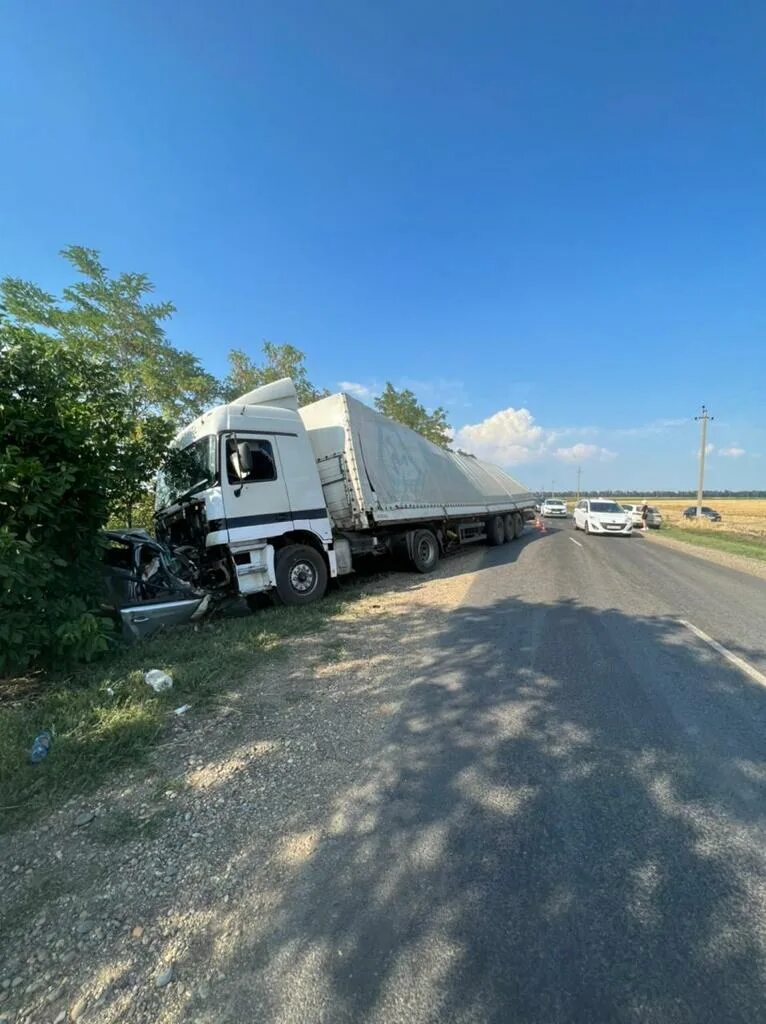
(301, 574)
(509, 527)
(518, 524)
(495, 531)
(425, 551)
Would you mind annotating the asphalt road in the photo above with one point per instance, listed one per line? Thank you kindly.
(565, 820)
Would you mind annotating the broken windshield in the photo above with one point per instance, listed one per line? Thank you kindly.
(185, 471)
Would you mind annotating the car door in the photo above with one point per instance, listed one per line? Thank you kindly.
(157, 599)
(142, 620)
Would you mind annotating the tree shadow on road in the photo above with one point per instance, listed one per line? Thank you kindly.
(562, 820)
(553, 831)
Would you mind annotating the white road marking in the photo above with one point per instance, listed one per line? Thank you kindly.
(579, 545)
(742, 665)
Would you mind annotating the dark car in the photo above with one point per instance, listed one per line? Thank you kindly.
(707, 513)
(146, 586)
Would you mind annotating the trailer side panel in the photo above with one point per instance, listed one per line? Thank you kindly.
(393, 474)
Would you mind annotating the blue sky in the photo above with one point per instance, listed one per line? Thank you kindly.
(547, 217)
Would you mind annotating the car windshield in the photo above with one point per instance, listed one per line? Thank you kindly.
(605, 506)
(185, 471)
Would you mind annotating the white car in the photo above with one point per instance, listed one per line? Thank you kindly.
(653, 517)
(600, 515)
(553, 507)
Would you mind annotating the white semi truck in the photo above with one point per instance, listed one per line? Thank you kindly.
(261, 496)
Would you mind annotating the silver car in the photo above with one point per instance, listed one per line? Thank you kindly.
(653, 517)
(145, 585)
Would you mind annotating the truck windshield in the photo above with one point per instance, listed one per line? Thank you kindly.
(185, 471)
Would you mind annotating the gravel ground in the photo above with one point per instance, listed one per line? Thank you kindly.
(127, 907)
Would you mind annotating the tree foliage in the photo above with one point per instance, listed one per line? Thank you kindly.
(111, 319)
(279, 361)
(404, 407)
(63, 424)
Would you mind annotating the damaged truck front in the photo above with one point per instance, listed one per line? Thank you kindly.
(261, 497)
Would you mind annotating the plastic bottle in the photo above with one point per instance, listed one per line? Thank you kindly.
(40, 747)
(158, 680)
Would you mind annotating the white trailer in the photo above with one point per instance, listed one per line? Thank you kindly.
(265, 496)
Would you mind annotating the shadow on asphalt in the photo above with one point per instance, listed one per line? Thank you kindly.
(547, 828)
(469, 559)
(550, 825)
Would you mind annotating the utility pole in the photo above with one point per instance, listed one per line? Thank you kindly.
(703, 418)
(579, 473)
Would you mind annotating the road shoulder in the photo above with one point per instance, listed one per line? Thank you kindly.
(751, 566)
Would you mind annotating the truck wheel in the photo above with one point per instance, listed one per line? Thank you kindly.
(495, 531)
(301, 574)
(425, 551)
(508, 527)
(518, 525)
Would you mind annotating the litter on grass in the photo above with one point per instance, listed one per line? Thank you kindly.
(159, 681)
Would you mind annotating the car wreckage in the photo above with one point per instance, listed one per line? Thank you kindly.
(147, 586)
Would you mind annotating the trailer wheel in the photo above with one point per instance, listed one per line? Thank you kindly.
(518, 524)
(508, 527)
(301, 574)
(425, 551)
(495, 531)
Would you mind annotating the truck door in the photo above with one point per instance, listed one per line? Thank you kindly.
(304, 488)
(254, 490)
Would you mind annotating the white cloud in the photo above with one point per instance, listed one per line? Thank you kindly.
(649, 429)
(360, 391)
(732, 452)
(511, 437)
(710, 449)
(584, 453)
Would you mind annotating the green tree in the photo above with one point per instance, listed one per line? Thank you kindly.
(141, 453)
(114, 322)
(113, 319)
(279, 361)
(404, 407)
(63, 424)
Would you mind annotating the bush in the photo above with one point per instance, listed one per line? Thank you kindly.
(62, 438)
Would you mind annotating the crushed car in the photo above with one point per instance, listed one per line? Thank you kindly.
(148, 587)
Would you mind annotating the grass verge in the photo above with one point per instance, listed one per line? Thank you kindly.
(104, 717)
(720, 540)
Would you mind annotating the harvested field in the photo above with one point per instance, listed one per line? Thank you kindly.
(746, 516)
